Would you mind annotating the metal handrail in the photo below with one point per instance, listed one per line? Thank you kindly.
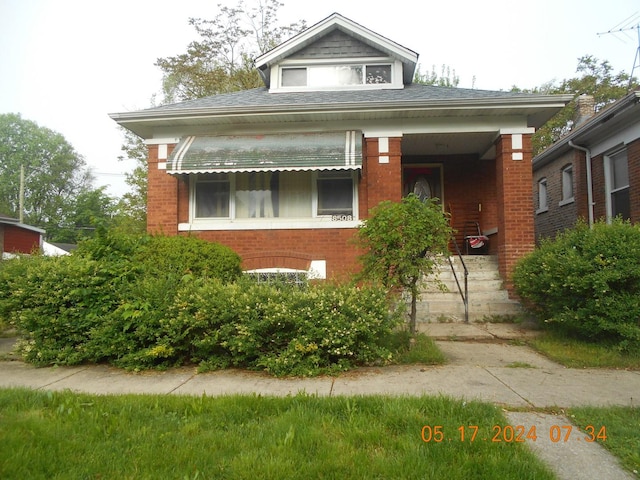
(465, 295)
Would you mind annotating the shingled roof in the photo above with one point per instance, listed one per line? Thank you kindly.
(413, 93)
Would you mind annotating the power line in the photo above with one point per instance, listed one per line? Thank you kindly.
(623, 27)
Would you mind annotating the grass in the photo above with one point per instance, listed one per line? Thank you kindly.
(622, 430)
(417, 349)
(60, 435)
(520, 365)
(574, 353)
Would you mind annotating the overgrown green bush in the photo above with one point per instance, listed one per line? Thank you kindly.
(154, 302)
(282, 329)
(586, 282)
(106, 300)
(56, 303)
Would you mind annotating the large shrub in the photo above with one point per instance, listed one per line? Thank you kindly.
(144, 302)
(56, 303)
(106, 300)
(282, 329)
(586, 282)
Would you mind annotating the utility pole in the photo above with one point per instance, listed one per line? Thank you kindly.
(21, 195)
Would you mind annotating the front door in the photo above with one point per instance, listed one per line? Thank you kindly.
(425, 180)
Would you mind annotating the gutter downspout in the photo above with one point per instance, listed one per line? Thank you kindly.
(589, 182)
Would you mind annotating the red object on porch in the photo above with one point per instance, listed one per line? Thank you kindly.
(476, 240)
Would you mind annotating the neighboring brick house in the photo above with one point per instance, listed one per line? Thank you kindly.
(593, 172)
(284, 174)
(16, 237)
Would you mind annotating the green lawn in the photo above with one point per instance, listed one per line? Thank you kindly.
(622, 429)
(575, 353)
(65, 435)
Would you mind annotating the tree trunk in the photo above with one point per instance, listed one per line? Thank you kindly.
(413, 313)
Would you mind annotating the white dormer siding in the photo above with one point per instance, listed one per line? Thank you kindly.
(337, 54)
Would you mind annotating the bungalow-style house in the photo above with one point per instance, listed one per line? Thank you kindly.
(284, 174)
(18, 238)
(593, 172)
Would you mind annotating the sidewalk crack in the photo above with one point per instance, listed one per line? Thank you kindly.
(181, 384)
(62, 378)
(506, 385)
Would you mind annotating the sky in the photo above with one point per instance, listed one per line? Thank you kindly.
(67, 64)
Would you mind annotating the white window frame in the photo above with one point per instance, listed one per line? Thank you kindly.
(315, 221)
(609, 179)
(568, 183)
(396, 73)
(543, 199)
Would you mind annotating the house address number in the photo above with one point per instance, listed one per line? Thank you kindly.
(341, 218)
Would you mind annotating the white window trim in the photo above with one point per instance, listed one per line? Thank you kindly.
(231, 223)
(545, 208)
(571, 199)
(396, 74)
(608, 181)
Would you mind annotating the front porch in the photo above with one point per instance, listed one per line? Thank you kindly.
(482, 178)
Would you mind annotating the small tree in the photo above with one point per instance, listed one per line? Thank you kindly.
(402, 241)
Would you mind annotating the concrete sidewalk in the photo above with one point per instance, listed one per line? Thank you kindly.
(506, 375)
(486, 363)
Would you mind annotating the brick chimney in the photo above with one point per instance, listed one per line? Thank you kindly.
(585, 109)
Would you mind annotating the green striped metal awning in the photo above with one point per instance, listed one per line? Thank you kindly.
(277, 152)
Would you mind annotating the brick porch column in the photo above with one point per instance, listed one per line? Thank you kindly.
(514, 176)
(382, 172)
(162, 193)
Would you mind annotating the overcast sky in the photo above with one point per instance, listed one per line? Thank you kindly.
(67, 64)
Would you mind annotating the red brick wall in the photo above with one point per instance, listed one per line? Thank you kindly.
(515, 219)
(599, 191)
(291, 248)
(383, 181)
(168, 205)
(162, 197)
(20, 240)
(470, 194)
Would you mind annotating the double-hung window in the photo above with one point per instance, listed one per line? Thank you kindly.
(617, 181)
(542, 196)
(567, 185)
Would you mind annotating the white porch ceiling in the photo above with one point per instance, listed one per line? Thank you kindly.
(480, 144)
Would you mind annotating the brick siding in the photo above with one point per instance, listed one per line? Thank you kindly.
(467, 180)
(515, 222)
(560, 217)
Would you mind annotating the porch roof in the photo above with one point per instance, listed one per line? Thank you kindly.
(277, 152)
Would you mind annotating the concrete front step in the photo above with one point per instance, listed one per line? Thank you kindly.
(504, 307)
(477, 296)
(474, 285)
(487, 297)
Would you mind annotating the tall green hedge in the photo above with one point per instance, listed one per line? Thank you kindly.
(586, 282)
(151, 301)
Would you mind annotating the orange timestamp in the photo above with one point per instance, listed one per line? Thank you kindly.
(513, 434)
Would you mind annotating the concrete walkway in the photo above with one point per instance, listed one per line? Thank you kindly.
(487, 362)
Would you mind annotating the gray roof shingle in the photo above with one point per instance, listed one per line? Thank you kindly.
(260, 97)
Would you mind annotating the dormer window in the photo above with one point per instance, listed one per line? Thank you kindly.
(337, 54)
(335, 75)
